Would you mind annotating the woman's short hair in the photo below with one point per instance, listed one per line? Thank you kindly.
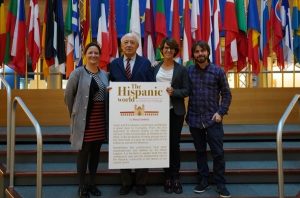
(171, 43)
(91, 44)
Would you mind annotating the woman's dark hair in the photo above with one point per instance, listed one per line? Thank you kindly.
(204, 45)
(91, 44)
(171, 43)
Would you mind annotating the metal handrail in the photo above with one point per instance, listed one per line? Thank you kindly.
(279, 144)
(39, 145)
(8, 121)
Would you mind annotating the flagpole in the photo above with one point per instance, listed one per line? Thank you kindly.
(26, 69)
(282, 78)
(272, 74)
(294, 74)
(15, 79)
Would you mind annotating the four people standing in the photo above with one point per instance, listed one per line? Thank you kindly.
(209, 100)
(85, 97)
(170, 71)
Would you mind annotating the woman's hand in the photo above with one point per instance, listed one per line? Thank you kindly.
(170, 91)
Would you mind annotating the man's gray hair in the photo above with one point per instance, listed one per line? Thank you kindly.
(132, 35)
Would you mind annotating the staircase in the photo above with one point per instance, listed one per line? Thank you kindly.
(250, 154)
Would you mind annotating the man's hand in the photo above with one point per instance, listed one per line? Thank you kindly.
(217, 118)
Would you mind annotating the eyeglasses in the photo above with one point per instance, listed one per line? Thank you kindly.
(168, 48)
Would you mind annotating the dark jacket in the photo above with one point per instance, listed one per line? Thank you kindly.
(180, 84)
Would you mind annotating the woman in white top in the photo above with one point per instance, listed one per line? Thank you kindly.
(170, 71)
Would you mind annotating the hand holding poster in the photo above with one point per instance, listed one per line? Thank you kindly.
(138, 125)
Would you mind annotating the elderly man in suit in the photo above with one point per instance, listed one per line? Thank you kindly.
(131, 68)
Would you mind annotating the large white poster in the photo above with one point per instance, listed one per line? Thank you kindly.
(138, 125)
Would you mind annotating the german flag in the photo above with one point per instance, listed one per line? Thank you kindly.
(2, 31)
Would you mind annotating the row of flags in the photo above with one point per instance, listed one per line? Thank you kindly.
(250, 35)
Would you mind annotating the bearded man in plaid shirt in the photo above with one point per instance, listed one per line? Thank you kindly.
(209, 101)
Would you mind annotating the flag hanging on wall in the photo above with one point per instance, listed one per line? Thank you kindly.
(73, 44)
(253, 36)
(135, 24)
(103, 38)
(216, 23)
(287, 32)
(160, 26)
(34, 41)
(296, 29)
(174, 23)
(242, 41)
(187, 35)
(15, 52)
(277, 34)
(148, 48)
(265, 33)
(231, 34)
(196, 21)
(112, 29)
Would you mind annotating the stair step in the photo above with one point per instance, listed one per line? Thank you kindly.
(236, 172)
(232, 132)
(233, 152)
(156, 191)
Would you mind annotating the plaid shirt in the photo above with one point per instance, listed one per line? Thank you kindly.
(209, 93)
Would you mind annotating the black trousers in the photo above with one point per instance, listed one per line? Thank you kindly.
(140, 177)
(212, 135)
(176, 122)
(88, 156)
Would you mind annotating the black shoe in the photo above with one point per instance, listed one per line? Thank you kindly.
(201, 188)
(83, 192)
(94, 190)
(124, 190)
(177, 188)
(141, 190)
(168, 186)
(223, 192)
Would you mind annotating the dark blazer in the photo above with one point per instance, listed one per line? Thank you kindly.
(142, 70)
(180, 84)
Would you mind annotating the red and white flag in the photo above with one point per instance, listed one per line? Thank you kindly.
(187, 35)
(231, 31)
(34, 41)
(103, 38)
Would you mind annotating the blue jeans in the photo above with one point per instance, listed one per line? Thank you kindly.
(212, 135)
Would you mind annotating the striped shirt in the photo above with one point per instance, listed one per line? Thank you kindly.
(96, 125)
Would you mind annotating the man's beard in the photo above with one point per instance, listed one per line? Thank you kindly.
(201, 59)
